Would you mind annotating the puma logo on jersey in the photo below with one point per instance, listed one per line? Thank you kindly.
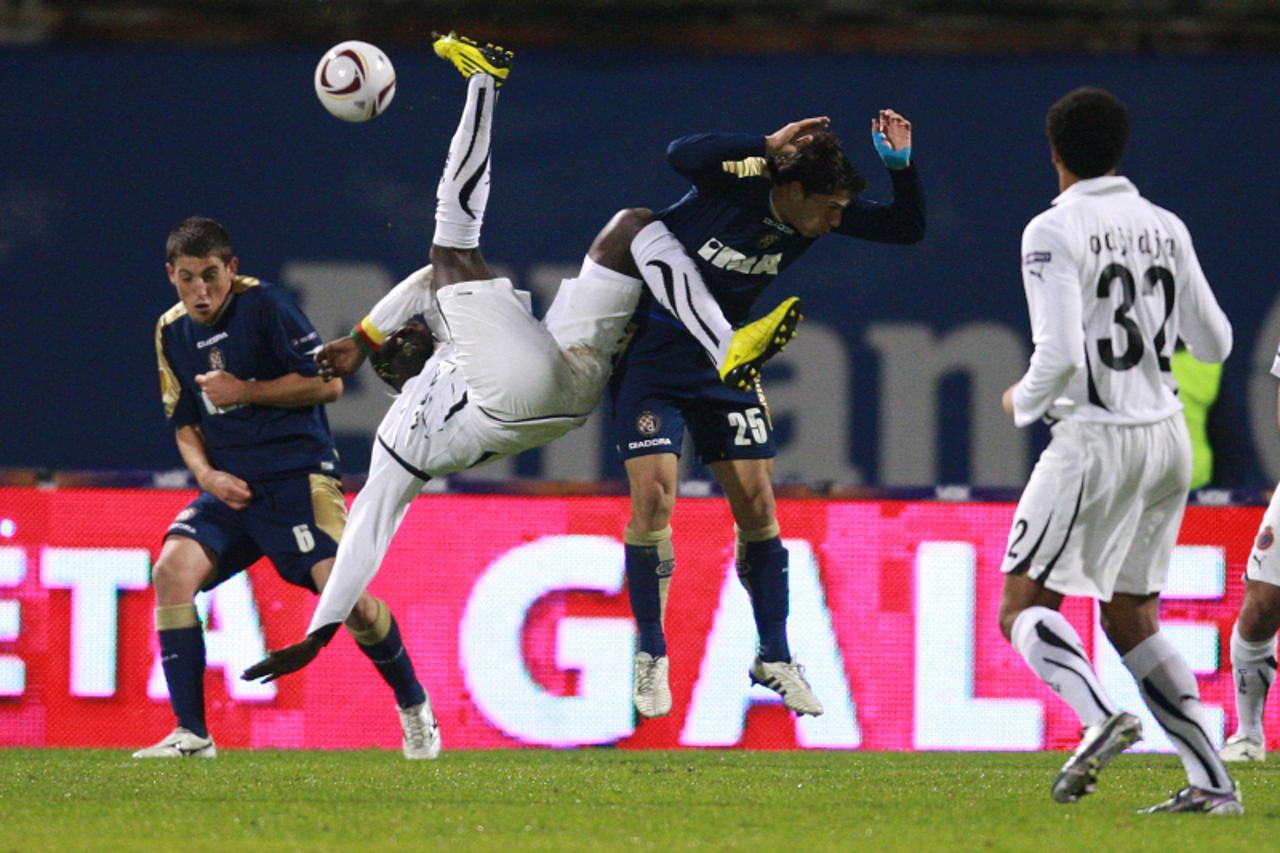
(719, 255)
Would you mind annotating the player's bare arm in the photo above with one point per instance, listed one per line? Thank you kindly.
(340, 359)
(228, 488)
(787, 138)
(293, 390)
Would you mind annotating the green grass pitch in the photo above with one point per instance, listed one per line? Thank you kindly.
(605, 799)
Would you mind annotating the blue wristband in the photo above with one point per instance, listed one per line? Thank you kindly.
(893, 158)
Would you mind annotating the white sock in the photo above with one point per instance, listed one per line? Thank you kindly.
(463, 190)
(1254, 666)
(674, 280)
(1052, 648)
(1169, 688)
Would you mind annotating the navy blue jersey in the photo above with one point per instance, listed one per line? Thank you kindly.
(727, 224)
(261, 335)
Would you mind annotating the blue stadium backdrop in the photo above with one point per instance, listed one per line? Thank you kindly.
(896, 377)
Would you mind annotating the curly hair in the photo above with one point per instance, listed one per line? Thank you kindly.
(1089, 128)
(198, 237)
(819, 164)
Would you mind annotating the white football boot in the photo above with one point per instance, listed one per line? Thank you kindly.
(649, 688)
(1243, 748)
(180, 743)
(786, 678)
(421, 732)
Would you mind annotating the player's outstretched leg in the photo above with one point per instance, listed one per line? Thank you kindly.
(673, 279)
(471, 58)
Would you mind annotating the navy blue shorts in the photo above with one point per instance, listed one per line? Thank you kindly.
(294, 521)
(650, 409)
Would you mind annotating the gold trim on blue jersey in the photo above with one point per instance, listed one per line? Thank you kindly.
(170, 389)
(752, 167)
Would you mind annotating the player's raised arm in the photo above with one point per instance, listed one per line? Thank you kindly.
(901, 221)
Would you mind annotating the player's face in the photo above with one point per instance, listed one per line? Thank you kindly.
(816, 213)
(203, 284)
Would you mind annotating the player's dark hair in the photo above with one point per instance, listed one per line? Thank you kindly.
(1089, 128)
(820, 165)
(198, 237)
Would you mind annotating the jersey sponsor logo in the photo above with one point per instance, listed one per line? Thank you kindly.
(1037, 258)
(217, 361)
(648, 424)
(719, 255)
(187, 528)
(649, 442)
(208, 342)
(1265, 538)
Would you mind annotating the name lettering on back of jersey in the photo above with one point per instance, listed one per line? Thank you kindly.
(1122, 241)
(719, 255)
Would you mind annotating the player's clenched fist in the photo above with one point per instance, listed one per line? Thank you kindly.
(222, 388)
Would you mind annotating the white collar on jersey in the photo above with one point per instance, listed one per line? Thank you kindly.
(1104, 185)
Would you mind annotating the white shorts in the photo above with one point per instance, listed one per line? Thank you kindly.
(505, 382)
(1102, 510)
(1264, 561)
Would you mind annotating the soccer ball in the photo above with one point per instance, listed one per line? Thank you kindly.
(355, 81)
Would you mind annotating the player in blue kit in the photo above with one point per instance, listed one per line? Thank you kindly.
(246, 400)
(757, 203)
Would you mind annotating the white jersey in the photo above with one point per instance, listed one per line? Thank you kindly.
(1112, 282)
(502, 382)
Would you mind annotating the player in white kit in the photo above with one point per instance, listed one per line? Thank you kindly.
(1112, 282)
(498, 381)
(1253, 638)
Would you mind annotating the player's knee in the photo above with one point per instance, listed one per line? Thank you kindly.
(612, 246)
(174, 581)
(1260, 614)
(651, 505)
(364, 615)
(1007, 616)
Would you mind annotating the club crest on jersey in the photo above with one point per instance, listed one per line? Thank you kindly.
(216, 359)
(648, 424)
(186, 514)
(1265, 538)
(768, 240)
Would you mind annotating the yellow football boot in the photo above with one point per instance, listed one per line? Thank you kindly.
(759, 341)
(471, 57)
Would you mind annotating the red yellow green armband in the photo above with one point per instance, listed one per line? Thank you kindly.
(367, 336)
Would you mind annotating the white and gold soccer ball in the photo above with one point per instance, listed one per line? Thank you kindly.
(355, 81)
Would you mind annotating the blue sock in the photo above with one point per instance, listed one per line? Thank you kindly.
(182, 657)
(766, 577)
(642, 562)
(391, 659)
